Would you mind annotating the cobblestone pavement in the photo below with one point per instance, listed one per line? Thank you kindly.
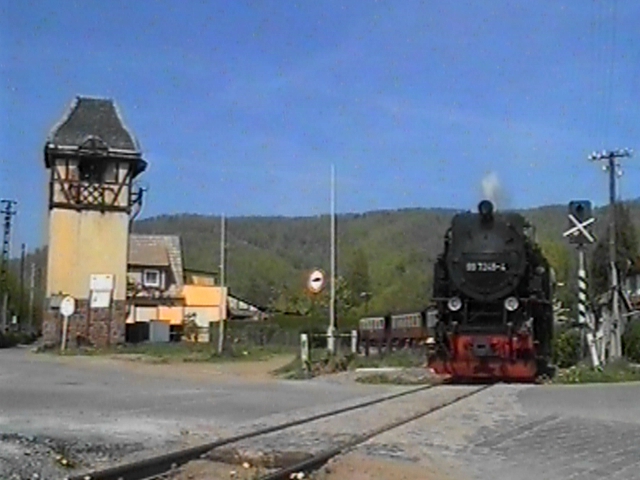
(527, 433)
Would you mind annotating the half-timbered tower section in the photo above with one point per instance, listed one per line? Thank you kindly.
(92, 161)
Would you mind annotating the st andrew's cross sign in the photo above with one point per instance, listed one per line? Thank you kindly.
(580, 221)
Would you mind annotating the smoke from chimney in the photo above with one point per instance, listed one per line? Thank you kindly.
(493, 191)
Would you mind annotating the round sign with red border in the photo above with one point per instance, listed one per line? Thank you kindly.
(316, 281)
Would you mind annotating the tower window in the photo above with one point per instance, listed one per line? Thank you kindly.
(92, 171)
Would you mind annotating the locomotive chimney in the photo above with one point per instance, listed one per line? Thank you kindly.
(485, 208)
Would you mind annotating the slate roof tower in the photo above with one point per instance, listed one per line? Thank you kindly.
(92, 160)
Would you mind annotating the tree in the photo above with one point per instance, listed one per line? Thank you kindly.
(559, 257)
(626, 251)
(357, 276)
(20, 306)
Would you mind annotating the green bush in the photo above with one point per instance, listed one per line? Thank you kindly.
(631, 342)
(566, 348)
(11, 339)
(614, 372)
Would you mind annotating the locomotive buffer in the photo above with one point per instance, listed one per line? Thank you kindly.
(579, 234)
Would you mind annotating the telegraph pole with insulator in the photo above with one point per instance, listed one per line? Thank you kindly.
(610, 158)
(8, 212)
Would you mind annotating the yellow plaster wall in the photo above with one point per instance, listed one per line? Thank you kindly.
(82, 243)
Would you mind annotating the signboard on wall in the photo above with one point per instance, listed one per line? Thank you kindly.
(101, 289)
(101, 282)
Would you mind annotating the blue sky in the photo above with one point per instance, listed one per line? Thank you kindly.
(241, 106)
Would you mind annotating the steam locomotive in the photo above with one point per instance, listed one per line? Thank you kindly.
(493, 290)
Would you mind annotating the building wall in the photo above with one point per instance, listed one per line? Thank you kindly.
(203, 302)
(82, 243)
(203, 315)
(172, 315)
(200, 279)
(97, 326)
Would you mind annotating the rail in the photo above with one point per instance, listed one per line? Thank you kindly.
(315, 462)
(152, 467)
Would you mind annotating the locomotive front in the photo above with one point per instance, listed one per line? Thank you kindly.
(487, 285)
(486, 257)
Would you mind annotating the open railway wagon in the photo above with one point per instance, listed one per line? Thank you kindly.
(493, 290)
(394, 331)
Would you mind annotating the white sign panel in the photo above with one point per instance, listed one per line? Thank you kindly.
(67, 306)
(101, 282)
(100, 299)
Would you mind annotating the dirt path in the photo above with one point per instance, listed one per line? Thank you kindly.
(259, 370)
(349, 467)
(362, 467)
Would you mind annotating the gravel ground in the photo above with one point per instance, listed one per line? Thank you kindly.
(39, 457)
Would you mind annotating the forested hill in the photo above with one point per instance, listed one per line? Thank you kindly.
(387, 253)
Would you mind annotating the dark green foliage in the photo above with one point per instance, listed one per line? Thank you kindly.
(626, 250)
(566, 348)
(270, 258)
(357, 276)
(19, 305)
(11, 339)
(631, 342)
(563, 261)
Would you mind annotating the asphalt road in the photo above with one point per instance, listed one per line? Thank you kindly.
(41, 396)
(509, 432)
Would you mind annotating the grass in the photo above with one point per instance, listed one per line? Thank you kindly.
(322, 363)
(183, 352)
(396, 379)
(615, 372)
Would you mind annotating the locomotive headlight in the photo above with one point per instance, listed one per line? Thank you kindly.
(454, 304)
(511, 304)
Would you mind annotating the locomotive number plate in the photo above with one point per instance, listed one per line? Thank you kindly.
(486, 267)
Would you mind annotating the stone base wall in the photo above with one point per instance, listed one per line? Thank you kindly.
(97, 327)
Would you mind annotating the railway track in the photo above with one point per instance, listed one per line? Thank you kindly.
(318, 460)
(155, 466)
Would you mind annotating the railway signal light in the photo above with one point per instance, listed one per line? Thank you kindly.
(581, 209)
(580, 221)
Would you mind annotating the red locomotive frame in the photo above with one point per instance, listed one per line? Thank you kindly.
(503, 357)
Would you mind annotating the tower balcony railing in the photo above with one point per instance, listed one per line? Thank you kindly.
(83, 194)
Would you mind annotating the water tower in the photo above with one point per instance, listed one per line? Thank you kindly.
(92, 160)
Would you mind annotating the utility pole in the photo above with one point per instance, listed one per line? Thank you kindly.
(21, 312)
(331, 343)
(32, 288)
(612, 166)
(8, 213)
(223, 297)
